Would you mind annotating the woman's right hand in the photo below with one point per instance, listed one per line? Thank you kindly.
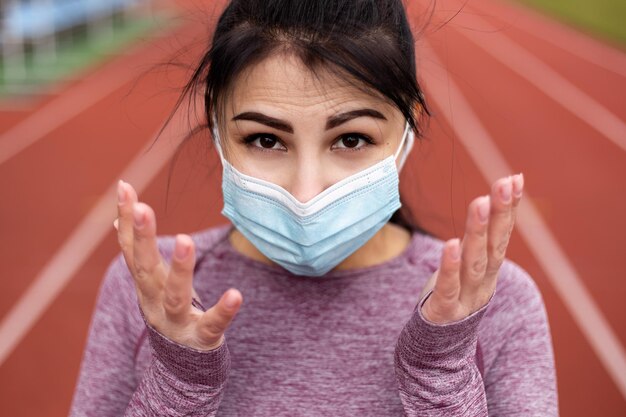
(164, 291)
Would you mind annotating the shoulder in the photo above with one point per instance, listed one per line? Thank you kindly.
(516, 316)
(208, 239)
(427, 250)
(517, 291)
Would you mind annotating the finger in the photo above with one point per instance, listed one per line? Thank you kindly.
(474, 249)
(443, 304)
(518, 189)
(500, 225)
(194, 294)
(448, 285)
(214, 322)
(126, 198)
(178, 285)
(150, 272)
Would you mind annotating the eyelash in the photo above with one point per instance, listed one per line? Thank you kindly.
(368, 141)
(248, 140)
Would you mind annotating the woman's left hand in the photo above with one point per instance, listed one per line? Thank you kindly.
(467, 277)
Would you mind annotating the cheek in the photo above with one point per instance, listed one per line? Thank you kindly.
(269, 166)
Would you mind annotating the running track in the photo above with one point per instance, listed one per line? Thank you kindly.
(511, 91)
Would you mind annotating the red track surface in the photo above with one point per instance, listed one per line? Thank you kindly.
(576, 179)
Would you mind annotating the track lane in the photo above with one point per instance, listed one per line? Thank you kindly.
(43, 371)
(600, 83)
(97, 144)
(33, 117)
(44, 189)
(118, 126)
(442, 179)
(584, 181)
(577, 41)
(562, 277)
(584, 388)
(530, 67)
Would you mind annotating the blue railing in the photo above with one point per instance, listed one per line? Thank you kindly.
(36, 19)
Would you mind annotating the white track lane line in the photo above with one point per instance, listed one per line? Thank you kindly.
(84, 240)
(548, 81)
(557, 34)
(540, 241)
(56, 113)
(68, 105)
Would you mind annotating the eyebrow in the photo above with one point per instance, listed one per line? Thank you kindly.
(265, 120)
(342, 118)
(332, 122)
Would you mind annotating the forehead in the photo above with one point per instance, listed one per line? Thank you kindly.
(283, 81)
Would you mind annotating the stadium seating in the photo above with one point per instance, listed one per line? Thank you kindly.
(37, 19)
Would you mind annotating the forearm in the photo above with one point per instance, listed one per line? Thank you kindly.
(435, 367)
(180, 381)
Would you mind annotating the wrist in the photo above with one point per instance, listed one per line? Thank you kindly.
(427, 342)
(206, 367)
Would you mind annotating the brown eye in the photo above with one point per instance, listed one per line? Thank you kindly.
(350, 141)
(267, 143)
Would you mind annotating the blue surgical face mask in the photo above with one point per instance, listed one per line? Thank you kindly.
(314, 237)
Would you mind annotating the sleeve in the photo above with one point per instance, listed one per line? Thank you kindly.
(106, 380)
(435, 367)
(179, 380)
(522, 379)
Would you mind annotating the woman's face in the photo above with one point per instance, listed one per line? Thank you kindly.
(305, 131)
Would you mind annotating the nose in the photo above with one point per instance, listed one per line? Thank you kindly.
(308, 180)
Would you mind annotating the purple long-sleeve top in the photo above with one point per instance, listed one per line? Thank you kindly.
(352, 343)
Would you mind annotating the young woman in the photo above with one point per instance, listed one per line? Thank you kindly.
(348, 311)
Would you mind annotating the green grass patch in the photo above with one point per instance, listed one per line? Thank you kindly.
(75, 51)
(606, 18)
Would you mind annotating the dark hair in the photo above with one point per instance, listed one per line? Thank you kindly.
(370, 41)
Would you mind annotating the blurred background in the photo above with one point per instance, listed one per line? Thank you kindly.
(532, 86)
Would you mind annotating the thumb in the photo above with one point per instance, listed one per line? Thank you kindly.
(214, 322)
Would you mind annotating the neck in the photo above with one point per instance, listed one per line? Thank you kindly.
(389, 242)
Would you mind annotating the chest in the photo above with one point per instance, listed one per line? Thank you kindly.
(301, 348)
(309, 364)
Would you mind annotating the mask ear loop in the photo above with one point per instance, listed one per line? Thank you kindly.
(409, 136)
(216, 138)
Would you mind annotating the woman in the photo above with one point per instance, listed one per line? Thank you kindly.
(314, 106)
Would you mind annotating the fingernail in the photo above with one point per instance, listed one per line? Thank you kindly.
(518, 185)
(116, 224)
(231, 300)
(455, 250)
(181, 250)
(121, 193)
(483, 209)
(505, 191)
(139, 215)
